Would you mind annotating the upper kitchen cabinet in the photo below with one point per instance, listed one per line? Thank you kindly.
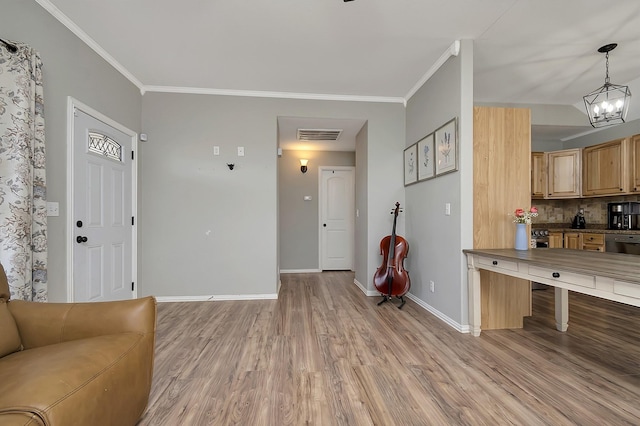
(538, 175)
(635, 149)
(605, 168)
(564, 177)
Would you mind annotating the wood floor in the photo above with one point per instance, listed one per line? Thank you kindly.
(325, 354)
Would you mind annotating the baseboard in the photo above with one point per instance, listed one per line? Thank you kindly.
(365, 290)
(299, 271)
(457, 326)
(422, 304)
(216, 298)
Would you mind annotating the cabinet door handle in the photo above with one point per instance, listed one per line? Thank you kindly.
(495, 262)
(556, 275)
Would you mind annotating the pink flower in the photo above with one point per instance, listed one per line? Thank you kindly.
(524, 216)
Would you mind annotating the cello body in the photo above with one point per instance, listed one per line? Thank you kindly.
(391, 279)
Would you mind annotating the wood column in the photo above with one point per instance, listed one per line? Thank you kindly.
(502, 183)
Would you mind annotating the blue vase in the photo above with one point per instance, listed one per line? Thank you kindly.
(522, 242)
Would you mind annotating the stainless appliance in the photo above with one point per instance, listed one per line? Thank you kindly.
(541, 239)
(621, 243)
(623, 215)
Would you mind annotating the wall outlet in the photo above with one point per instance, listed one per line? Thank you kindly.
(216, 150)
(432, 286)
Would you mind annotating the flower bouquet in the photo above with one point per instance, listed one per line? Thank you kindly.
(524, 216)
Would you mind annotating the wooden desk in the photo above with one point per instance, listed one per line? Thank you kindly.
(610, 276)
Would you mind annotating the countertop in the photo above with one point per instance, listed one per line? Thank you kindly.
(624, 267)
(595, 228)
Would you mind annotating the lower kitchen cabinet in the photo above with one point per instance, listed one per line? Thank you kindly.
(572, 240)
(593, 242)
(556, 240)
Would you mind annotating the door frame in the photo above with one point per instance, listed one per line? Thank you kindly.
(72, 105)
(321, 201)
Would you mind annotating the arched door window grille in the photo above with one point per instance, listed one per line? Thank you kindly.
(104, 145)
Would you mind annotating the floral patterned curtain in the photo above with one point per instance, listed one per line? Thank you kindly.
(23, 209)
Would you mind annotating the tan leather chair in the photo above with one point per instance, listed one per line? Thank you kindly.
(75, 363)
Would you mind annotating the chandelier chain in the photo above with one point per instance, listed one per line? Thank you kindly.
(606, 79)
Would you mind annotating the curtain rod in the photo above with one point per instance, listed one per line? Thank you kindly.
(10, 47)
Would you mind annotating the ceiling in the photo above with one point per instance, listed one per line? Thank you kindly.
(525, 51)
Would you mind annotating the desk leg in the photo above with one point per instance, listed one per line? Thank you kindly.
(562, 309)
(473, 278)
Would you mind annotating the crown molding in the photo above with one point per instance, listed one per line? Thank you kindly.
(453, 50)
(64, 20)
(266, 94)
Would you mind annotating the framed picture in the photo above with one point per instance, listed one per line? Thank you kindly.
(411, 165)
(446, 148)
(426, 169)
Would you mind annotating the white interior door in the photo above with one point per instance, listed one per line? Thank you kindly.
(337, 203)
(103, 266)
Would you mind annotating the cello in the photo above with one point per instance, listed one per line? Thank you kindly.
(391, 279)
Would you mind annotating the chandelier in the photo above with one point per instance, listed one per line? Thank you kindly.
(607, 105)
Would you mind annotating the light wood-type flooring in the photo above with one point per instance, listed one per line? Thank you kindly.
(325, 354)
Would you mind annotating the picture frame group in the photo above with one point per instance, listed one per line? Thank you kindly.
(434, 155)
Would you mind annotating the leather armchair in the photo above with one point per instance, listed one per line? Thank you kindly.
(77, 363)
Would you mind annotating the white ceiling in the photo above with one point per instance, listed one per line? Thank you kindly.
(525, 51)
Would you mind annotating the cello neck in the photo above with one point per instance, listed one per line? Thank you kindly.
(392, 241)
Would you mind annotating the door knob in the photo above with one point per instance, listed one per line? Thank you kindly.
(81, 239)
(324, 224)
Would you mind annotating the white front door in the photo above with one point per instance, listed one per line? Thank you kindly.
(337, 201)
(102, 211)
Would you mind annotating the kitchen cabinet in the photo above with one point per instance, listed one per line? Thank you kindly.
(564, 173)
(572, 240)
(593, 242)
(605, 168)
(556, 240)
(538, 175)
(635, 171)
(501, 183)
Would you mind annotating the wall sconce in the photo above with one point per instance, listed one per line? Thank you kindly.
(303, 165)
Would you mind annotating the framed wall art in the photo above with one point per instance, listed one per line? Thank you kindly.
(411, 164)
(426, 158)
(446, 148)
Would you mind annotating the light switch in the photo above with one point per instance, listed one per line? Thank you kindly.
(241, 151)
(53, 208)
(447, 209)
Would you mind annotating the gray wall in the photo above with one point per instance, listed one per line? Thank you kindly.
(70, 68)
(206, 230)
(361, 248)
(436, 241)
(604, 135)
(299, 219)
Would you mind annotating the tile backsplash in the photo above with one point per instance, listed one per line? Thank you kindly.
(563, 211)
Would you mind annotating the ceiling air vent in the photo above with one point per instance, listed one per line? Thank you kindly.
(319, 134)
